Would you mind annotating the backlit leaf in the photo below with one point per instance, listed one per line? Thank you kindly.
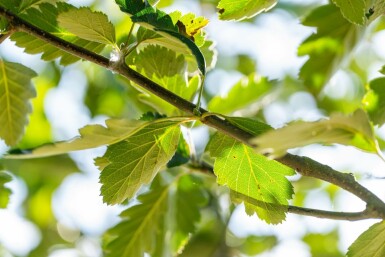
(137, 232)
(255, 179)
(163, 24)
(91, 136)
(4, 191)
(352, 10)
(45, 18)
(327, 49)
(248, 90)
(243, 9)
(354, 130)
(376, 10)
(137, 159)
(374, 101)
(89, 25)
(173, 202)
(15, 93)
(371, 243)
(25, 4)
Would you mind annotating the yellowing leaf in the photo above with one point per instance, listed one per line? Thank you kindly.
(354, 130)
(137, 159)
(89, 25)
(15, 93)
(192, 25)
(243, 9)
(371, 243)
(352, 10)
(257, 180)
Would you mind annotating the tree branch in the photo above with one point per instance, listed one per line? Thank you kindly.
(305, 166)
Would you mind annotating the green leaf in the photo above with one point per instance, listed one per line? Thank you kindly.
(4, 191)
(243, 9)
(137, 159)
(89, 25)
(159, 61)
(352, 10)
(248, 90)
(371, 243)
(137, 233)
(163, 221)
(25, 4)
(189, 197)
(162, 23)
(374, 101)
(131, 6)
(376, 10)
(252, 126)
(168, 69)
(327, 49)
(45, 18)
(354, 130)
(91, 136)
(257, 180)
(11, 5)
(324, 244)
(15, 93)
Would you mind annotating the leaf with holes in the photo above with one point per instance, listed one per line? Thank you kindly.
(371, 243)
(89, 25)
(136, 160)
(255, 179)
(15, 93)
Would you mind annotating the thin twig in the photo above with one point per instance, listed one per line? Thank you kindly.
(303, 165)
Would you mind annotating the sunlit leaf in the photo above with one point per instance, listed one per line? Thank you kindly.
(259, 181)
(25, 4)
(248, 90)
(137, 232)
(353, 10)
(161, 23)
(45, 18)
(374, 101)
(334, 40)
(243, 9)
(91, 136)
(254, 127)
(323, 244)
(188, 198)
(4, 191)
(173, 202)
(371, 243)
(15, 93)
(376, 10)
(89, 25)
(354, 130)
(137, 159)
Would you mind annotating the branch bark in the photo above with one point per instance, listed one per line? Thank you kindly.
(303, 165)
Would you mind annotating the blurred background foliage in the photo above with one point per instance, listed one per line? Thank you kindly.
(72, 96)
